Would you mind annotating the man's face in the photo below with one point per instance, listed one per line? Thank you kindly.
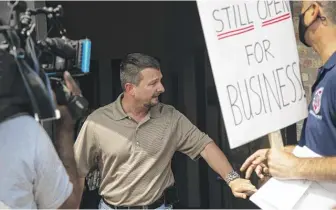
(150, 87)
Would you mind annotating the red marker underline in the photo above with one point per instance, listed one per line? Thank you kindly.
(235, 32)
(276, 20)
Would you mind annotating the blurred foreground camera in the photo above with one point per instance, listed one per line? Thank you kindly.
(41, 63)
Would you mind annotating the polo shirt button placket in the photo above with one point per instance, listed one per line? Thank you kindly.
(136, 138)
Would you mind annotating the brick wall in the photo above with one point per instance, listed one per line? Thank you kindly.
(309, 60)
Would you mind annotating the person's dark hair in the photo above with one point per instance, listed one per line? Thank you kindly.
(133, 64)
(13, 95)
(329, 7)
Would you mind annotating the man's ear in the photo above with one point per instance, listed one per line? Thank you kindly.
(130, 88)
(316, 10)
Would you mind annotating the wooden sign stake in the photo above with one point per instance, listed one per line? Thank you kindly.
(275, 139)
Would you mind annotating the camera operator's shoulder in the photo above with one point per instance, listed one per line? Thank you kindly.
(29, 129)
(22, 122)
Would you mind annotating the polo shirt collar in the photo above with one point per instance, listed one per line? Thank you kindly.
(331, 62)
(119, 113)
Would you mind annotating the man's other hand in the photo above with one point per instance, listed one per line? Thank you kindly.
(242, 188)
(66, 120)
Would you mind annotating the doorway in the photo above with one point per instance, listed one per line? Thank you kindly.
(171, 31)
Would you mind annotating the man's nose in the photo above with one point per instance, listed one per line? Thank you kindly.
(161, 88)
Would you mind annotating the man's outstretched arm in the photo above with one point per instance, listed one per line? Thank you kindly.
(193, 142)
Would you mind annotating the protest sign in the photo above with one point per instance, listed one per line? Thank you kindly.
(255, 64)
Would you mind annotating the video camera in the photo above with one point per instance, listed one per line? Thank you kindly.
(41, 63)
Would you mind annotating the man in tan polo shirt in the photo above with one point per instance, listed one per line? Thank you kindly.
(133, 140)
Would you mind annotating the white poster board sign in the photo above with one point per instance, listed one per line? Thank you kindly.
(255, 64)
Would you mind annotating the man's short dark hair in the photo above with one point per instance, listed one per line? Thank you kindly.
(133, 64)
(329, 8)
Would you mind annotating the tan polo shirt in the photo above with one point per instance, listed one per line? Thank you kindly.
(135, 158)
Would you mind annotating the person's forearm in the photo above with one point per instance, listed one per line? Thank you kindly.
(81, 184)
(317, 169)
(216, 159)
(64, 148)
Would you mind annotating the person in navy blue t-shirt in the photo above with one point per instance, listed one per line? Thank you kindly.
(317, 29)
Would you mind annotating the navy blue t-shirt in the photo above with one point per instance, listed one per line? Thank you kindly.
(319, 129)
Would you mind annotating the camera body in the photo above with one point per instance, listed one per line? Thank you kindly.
(41, 63)
(74, 56)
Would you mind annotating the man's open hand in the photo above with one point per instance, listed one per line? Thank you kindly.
(282, 164)
(242, 188)
(256, 162)
(275, 162)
